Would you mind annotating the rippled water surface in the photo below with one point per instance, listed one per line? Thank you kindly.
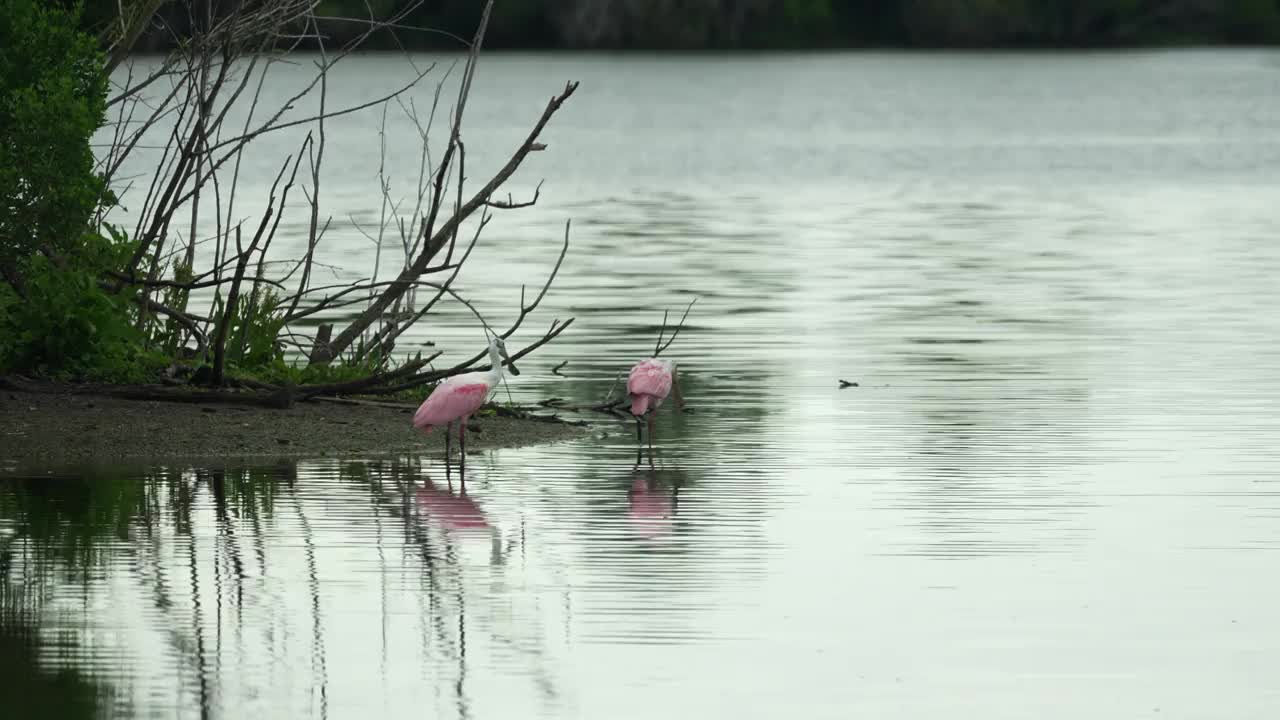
(1054, 492)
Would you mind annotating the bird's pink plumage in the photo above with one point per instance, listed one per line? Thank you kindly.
(448, 403)
(648, 384)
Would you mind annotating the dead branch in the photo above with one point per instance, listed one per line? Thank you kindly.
(329, 302)
(233, 295)
(393, 331)
(438, 375)
(133, 20)
(192, 285)
(511, 204)
(355, 387)
(611, 407)
(188, 322)
(398, 406)
(207, 82)
(659, 347)
(441, 236)
(556, 326)
(317, 158)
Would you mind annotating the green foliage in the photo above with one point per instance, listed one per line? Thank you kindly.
(252, 340)
(52, 99)
(281, 371)
(166, 334)
(1251, 21)
(68, 325)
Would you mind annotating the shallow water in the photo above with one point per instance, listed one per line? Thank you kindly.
(1054, 491)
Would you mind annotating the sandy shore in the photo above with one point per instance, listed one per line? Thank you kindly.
(64, 428)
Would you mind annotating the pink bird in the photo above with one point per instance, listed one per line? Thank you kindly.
(455, 399)
(648, 384)
(651, 510)
(458, 516)
(452, 512)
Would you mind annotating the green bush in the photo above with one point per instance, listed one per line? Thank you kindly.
(67, 325)
(52, 99)
(55, 318)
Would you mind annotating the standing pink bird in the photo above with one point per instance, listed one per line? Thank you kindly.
(648, 384)
(450, 511)
(455, 399)
(458, 516)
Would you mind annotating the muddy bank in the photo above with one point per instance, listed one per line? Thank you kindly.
(60, 428)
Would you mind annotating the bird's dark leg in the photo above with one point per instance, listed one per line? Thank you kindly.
(675, 385)
(651, 419)
(462, 451)
(639, 440)
(448, 437)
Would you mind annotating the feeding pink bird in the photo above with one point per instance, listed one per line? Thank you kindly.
(648, 384)
(455, 399)
(651, 509)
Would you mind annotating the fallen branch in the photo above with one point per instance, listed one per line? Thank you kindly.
(355, 387)
(610, 407)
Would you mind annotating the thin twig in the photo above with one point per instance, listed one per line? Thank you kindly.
(659, 348)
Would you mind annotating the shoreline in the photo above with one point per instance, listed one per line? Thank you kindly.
(59, 428)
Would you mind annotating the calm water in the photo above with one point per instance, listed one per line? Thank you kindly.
(1055, 493)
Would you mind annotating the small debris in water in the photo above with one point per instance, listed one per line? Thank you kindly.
(846, 384)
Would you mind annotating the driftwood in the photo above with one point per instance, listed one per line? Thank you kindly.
(399, 407)
(610, 407)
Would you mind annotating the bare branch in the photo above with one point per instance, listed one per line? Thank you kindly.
(657, 349)
(441, 236)
(511, 204)
(524, 312)
(220, 340)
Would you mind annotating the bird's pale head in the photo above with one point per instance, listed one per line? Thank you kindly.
(501, 346)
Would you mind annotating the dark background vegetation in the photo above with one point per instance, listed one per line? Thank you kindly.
(793, 24)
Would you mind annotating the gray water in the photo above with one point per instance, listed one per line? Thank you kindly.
(1053, 493)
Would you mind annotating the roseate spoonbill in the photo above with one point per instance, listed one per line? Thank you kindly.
(450, 511)
(455, 399)
(652, 509)
(648, 384)
(458, 516)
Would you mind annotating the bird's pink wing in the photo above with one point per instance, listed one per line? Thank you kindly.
(650, 377)
(448, 403)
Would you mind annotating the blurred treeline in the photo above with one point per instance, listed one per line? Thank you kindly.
(785, 24)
